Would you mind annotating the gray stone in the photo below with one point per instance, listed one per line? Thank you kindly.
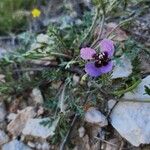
(95, 117)
(15, 145)
(132, 121)
(11, 116)
(16, 126)
(3, 137)
(34, 128)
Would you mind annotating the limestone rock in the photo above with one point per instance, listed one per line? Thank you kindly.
(11, 116)
(3, 137)
(15, 145)
(132, 121)
(35, 129)
(139, 92)
(123, 68)
(16, 126)
(95, 117)
(2, 112)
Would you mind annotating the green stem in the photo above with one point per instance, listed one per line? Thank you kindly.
(60, 54)
(121, 92)
(132, 100)
(60, 39)
(113, 5)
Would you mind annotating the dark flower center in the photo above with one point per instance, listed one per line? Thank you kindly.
(101, 59)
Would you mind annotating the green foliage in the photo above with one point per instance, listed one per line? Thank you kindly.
(13, 14)
(70, 37)
(24, 69)
(61, 130)
(131, 49)
(147, 90)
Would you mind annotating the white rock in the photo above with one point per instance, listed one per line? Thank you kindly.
(81, 131)
(35, 129)
(2, 112)
(43, 38)
(123, 68)
(16, 126)
(37, 96)
(95, 117)
(132, 121)
(11, 116)
(139, 92)
(15, 145)
(3, 137)
(45, 146)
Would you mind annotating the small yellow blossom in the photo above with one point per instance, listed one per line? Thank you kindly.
(36, 12)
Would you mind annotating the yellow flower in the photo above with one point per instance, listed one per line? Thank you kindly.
(36, 12)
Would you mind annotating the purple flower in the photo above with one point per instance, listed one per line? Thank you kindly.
(98, 63)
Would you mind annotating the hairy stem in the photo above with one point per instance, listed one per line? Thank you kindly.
(121, 92)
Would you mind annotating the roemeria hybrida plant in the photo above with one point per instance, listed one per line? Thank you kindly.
(100, 62)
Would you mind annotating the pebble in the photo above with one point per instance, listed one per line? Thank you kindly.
(95, 117)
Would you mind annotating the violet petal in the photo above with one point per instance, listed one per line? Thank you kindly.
(87, 53)
(92, 70)
(107, 45)
(107, 68)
